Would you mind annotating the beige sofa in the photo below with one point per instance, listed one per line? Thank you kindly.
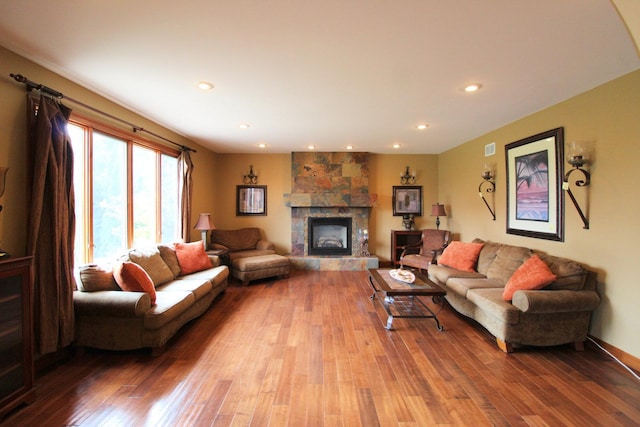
(108, 318)
(557, 314)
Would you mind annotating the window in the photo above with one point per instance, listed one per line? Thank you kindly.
(126, 192)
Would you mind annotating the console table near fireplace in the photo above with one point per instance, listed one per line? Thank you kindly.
(400, 239)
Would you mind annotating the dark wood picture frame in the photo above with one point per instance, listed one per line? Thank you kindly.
(251, 200)
(407, 200)
(535, 205)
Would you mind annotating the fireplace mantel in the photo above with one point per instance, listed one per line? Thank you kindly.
(329, 200)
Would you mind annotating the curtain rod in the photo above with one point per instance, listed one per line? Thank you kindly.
(58, 95)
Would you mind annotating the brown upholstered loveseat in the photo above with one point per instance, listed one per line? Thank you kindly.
(557, 314)
(241, 243)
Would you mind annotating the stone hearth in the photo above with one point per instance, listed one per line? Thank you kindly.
(329, 185)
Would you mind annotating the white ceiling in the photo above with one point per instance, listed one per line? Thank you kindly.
(326, 72)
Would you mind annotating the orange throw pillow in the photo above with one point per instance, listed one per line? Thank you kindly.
(462, 256)
(192, 257)
(532, 274)
(131, 277)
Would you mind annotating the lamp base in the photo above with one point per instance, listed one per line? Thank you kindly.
(204, 239)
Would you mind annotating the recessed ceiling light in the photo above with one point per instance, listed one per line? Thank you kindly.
(422, 126)
(349, 147)
(396, 145)
(205, 85)
(244, 125)
(311, 147)
(472, 87)
(262, 145)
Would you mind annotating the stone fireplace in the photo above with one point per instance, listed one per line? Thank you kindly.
(335, 186)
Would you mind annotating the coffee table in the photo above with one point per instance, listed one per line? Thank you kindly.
(399, 300)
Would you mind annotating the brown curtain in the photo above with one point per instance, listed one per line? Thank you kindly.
(51, 223)
(185, 170)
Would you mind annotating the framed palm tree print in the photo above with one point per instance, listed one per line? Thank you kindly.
(535, 206)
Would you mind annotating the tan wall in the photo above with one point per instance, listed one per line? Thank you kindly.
(609, 116)
(274, 171)
(13, 218)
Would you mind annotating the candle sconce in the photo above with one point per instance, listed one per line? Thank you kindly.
(407, 178)
(489, 186)
(250, 178)
(578, 156)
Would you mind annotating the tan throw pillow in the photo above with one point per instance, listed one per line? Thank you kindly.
(94, 278)
(169, 257)
(508, 259)
(151, 261)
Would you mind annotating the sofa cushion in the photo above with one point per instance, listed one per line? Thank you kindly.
(442, 273)
(151, 261)
(199, 287)
(192, 257)
(170, 258)
(462, 256)
(461, 285)
(532, 274)
(487, 255)
(169, 306)
(489, 300)
(131, 277)
(95, 278)
(236, 240)
(508, 259)
(569, 274)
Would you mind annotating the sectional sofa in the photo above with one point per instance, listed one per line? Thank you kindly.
(494, 287)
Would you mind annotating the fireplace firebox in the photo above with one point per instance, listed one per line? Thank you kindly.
(329, 236)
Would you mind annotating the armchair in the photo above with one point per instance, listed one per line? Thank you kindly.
(422, 254)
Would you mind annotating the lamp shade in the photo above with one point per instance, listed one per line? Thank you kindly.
(438, 210)
(204, 222)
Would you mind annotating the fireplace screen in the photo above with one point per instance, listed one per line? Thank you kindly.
(329, 236)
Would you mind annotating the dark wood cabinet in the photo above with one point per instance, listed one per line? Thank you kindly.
(16, 334)
(399, 239)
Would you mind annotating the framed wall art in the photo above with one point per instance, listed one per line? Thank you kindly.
(407, 200)
(251, 200)
(535, 206)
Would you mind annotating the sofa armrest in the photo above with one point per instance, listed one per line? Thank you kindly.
(218, 247)
(111, 303)
(555, 301)
(215, 260)
(265, 245)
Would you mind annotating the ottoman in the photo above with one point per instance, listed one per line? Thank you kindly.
(259, 267)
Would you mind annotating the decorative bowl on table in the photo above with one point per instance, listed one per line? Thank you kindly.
(402, 275)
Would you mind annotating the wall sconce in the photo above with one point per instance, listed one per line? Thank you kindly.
(577, 156)
(3, 181)
(437, 210)
(489, 183)
(204, 224)
(250, 178)
(407, 178)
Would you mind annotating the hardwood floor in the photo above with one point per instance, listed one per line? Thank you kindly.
(312, 350)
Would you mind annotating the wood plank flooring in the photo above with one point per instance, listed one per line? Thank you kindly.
(311, 350)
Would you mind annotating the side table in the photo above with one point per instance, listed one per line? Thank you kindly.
(223, 254)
